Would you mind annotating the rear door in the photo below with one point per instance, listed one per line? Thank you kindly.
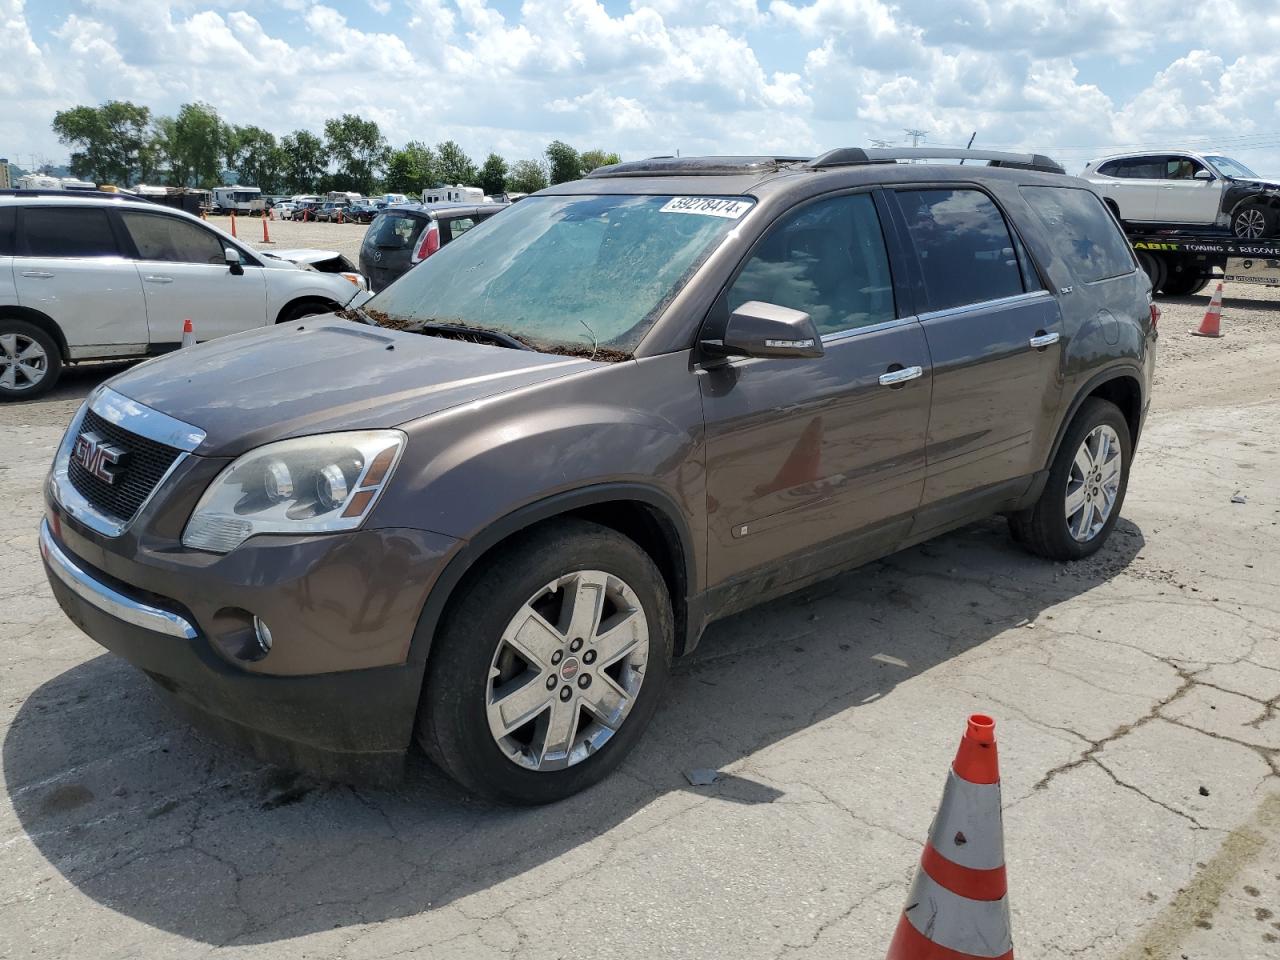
(993, 333)
(72, 268)
(185, 277)
(810, 462)
(1137, 187)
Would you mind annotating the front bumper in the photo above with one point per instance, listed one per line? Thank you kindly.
(349, 723)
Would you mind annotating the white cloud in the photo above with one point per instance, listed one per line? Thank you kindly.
(791, 76)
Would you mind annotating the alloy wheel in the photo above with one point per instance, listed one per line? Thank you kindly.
(1093, 483)
(567, 670)
(1250, 224)
(23, 362)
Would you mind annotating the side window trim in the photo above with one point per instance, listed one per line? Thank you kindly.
(1022, 251)
(719, 309)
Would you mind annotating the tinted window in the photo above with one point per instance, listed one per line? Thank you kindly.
(6, 231)
(391, 232)
(68, 232)
(964, 247)
(1141, 168)
(829, 260)
(1085, 233)
(158, 237)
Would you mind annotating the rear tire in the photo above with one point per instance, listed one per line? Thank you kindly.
(516, 685)
(1184, 283)
(30, 361)
(1155, 269)
(1082, 478)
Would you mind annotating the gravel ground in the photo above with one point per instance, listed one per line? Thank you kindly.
(1136, 694)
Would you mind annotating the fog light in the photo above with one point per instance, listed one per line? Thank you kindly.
(263, 634)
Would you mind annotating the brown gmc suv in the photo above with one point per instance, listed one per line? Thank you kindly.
(488, 513)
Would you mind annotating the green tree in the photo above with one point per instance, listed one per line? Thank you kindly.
(303, 161)
(493, 175)
(255, 157)
(590, 159)
(359, 149)
(192, 145)
(454, 166)
(527, 176)
(113, 141)
(564, 160)
(411, 169)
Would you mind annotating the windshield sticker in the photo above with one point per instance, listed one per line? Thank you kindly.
(708, 207)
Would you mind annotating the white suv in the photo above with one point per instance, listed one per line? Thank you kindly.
(85, 277)
(1181, 189)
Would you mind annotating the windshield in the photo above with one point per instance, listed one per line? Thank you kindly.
(1231, 168)
(575, 272)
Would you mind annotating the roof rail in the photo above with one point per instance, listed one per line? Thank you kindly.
(851, 156)
(97, 194)
(693, 166)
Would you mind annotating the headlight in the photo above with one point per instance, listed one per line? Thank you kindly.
(316, 484)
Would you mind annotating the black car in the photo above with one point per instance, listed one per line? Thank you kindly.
(405, 235)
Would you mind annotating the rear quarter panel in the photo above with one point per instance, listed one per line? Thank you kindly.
(1106, 325)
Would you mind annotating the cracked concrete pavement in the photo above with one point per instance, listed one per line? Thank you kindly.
(1137, 696)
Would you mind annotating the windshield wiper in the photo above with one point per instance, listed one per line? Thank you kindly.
(458, 331)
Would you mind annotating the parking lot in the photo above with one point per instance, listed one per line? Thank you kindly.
(1136, 695)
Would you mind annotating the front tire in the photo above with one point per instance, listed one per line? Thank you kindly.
(1253, 222)
(30, 361)
(548, 666)
(1081, 500)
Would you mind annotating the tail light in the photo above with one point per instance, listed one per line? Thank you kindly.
(1155, 317)
(428, 245)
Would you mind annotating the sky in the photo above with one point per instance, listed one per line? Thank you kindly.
(1076, 79)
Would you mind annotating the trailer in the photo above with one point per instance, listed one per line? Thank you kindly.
(1182, 262)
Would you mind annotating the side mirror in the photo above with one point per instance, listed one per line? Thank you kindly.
(233, 260)
(1202, 174)
(759, 329)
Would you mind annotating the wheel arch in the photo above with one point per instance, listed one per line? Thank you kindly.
(309, 299)
(1269, 200)
(41, 320)
(1119, 385)
(644, 514)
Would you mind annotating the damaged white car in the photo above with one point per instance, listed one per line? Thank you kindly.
(87, 276)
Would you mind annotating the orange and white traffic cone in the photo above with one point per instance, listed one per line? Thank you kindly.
(266, 236)
(233, 223)
(188, 333)
(958, 907)
(1211, 325)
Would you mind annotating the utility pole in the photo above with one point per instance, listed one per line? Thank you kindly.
(916, 136)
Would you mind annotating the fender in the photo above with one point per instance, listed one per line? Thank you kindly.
(41, 320)
(471, 551)
(1113, 372)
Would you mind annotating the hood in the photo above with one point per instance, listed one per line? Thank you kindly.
(1258, 186)
(326, 374)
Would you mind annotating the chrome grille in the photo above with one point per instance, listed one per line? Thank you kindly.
(144, 465)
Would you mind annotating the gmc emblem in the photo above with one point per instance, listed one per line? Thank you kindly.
(97, 456)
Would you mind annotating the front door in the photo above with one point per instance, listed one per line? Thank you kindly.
(810, 462)
(185, 276)
(1183, 198)
(70, 268)
(993, 335)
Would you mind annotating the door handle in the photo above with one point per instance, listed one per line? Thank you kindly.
(1042, 340)
(152, 279)
(895, 377)
(38, 274)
